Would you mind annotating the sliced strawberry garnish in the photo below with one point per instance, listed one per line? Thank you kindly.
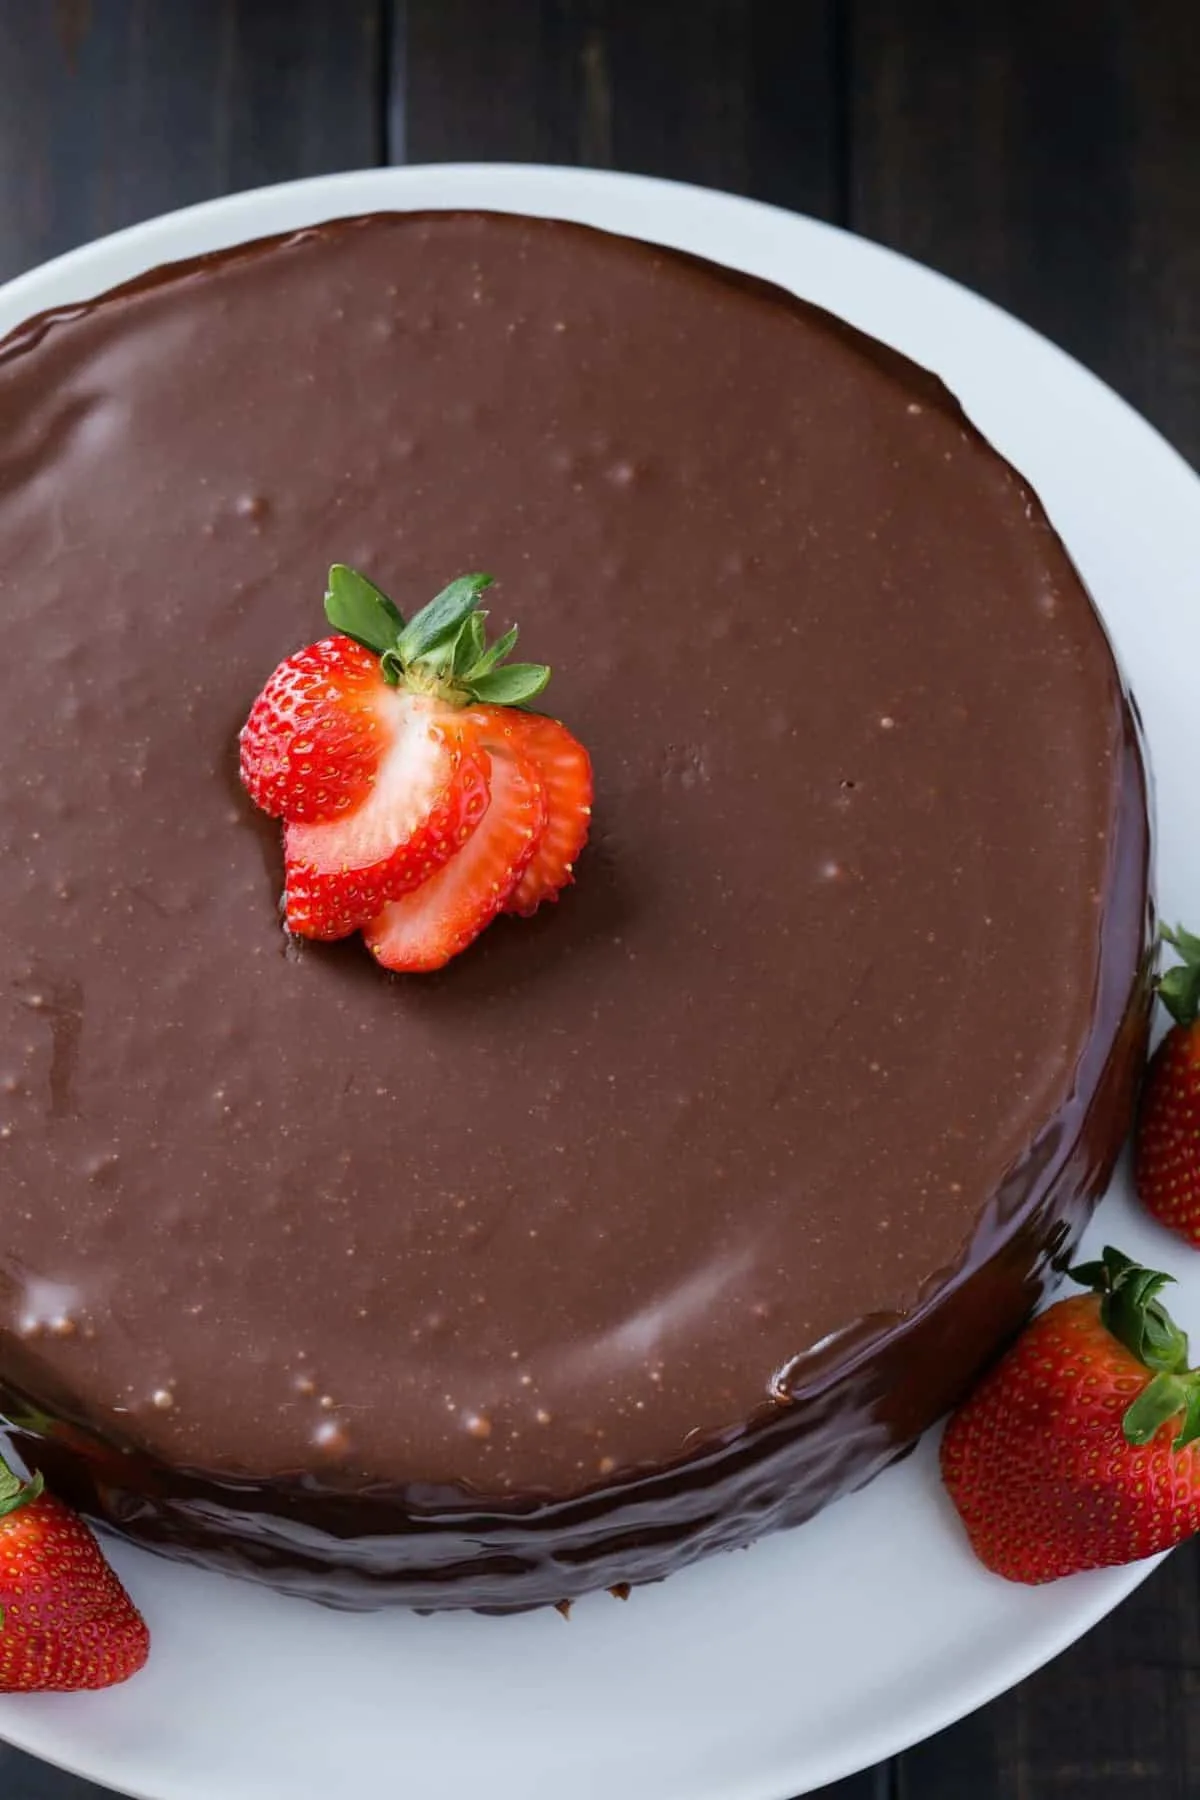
(429, 794)
(377, 748)
(314, 738)
(565, 771)
(427, 927)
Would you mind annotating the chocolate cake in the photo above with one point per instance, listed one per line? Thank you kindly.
(656, 1222)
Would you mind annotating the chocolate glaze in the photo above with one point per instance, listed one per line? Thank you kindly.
(657, 1222)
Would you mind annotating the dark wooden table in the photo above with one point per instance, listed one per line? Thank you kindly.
(1046, 152)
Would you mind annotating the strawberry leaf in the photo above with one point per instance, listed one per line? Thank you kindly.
(442, 618)
(1186, 942)
(1160, 1400)
(1179, 987)
(1131, 1310)
(511, 686)
(1190, 1430)
(1162, 1345)
(470, 643)
(443, 650)
(362, 611)
(1089, 1275)
(14, 1492)
(491, 659)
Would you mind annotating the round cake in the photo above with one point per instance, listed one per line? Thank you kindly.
(660, 1220)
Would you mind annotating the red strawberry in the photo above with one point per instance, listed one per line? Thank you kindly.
(1167, 1144)
(426, 928)
(429, 794)
(1079, 1449)
(376, 747)
(65, 1620)
(315, 735)
(565, 770)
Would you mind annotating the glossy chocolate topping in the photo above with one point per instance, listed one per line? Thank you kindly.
(840, 1018)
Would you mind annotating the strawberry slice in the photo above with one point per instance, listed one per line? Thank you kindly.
(315, 736)
(428, 796)
(565, 770)
(427, 927)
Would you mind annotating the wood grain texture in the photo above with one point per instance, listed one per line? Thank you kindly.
(737, 94)
(872, 1784)
(21, 1778)
(114, 110)
(1115, 1718)
(1046, 152)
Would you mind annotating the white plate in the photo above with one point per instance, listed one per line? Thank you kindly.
(767, 1673)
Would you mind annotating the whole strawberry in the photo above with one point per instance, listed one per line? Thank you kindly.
(1078, 1450)
(1167, 1144)
(65, 1620)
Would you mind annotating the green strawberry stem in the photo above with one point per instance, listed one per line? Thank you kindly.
(1131, 1310)
(442, 650)
(14, 1492)
(1179, 987)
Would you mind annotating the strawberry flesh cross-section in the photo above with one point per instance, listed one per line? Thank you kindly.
(440, 918)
